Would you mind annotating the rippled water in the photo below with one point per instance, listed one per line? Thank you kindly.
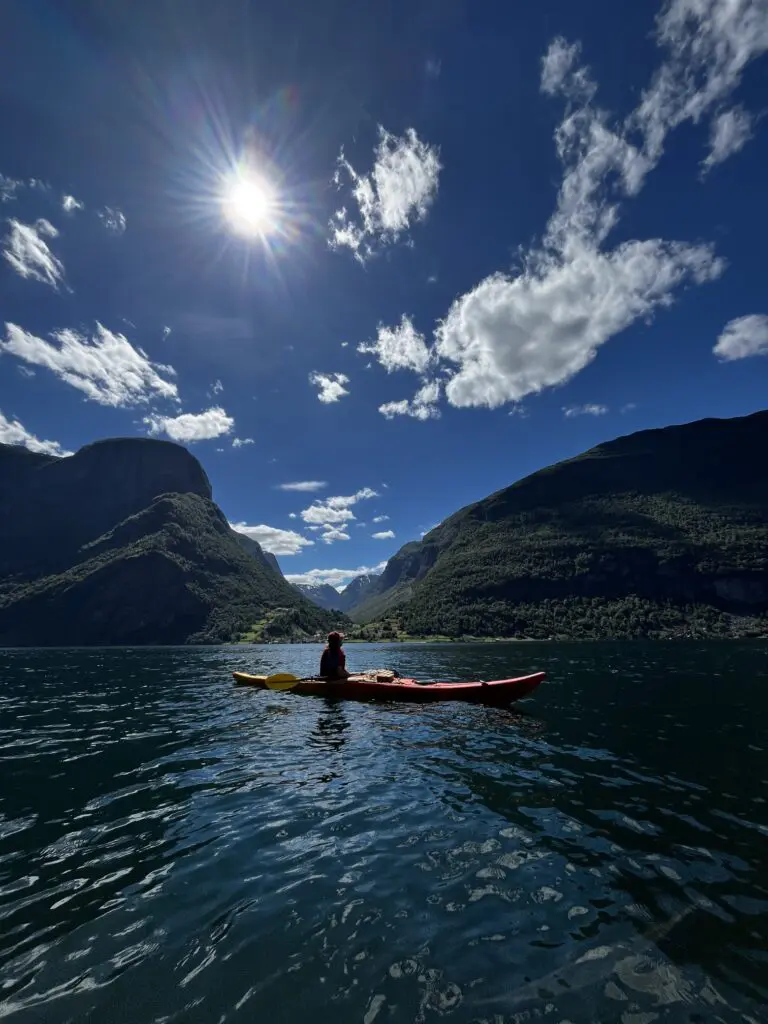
(173, 848)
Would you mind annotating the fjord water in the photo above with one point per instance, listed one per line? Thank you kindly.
(173, 848)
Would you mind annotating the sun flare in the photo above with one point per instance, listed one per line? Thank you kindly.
(249, 205)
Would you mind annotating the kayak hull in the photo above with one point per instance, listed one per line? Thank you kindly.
(499, 691)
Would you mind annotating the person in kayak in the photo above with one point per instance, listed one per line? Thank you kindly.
(333, 661)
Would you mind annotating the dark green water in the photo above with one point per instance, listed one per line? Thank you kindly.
(175, 849)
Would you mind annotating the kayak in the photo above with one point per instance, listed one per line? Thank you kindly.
(367, 687)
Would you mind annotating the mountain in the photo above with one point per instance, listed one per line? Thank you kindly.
(357, 590)
(321, 594)
(662, 532)
(254, 548)
(122, 543)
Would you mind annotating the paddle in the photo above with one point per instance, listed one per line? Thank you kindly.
(281, 681)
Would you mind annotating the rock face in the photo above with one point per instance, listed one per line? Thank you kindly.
(638, 536)
(121, 543)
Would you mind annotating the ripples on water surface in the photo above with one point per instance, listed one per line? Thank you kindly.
(175, 849)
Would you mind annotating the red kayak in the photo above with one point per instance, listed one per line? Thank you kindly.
(499, 691)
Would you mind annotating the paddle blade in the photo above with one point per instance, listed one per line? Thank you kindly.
(281, 681)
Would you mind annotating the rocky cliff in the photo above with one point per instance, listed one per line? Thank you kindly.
(121, 543)
(642, 535)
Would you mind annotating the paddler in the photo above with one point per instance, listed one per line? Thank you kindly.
(333, 660)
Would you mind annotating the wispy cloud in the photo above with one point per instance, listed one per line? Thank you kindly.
(395, 194)
(303, 486)
(9, 188)
(731, 131)
(191, 426)
(105, 366)
(331, 385)
(383, 535)
(423, 405)
(379, 519)
(590, 409)
(399, 348)
(333, 514)
(13, 432)
(241, 442)
(746, 336)
(335, 577)
(274, 540)
(514, 335)
(71, 205)
(112, 219)
(27, 251)
(217, 387)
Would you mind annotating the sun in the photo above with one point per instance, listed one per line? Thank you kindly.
(249, 205)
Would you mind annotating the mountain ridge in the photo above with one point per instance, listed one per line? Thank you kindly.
(674, 515)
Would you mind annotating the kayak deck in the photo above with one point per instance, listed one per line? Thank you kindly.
(501, 691)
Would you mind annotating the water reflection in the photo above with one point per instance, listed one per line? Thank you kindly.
(330, 728)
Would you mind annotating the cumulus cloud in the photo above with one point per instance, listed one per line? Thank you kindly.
(71, 205)
(105, 366)
(338, 578)
(423, 405)
(13, 432)
(590, 409)
(746, 336)
(333, 514)
(383, 535)
(241, 442)
(516, 334)
(274, 540)
(730, 132)
(399, 348)
(397, 193)
(330, 385)
(27, 251)
(112, 219)
(303, 486)
(190, 426)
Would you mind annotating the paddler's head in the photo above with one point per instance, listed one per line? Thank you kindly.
(335, 639)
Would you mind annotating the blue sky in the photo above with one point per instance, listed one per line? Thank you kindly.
(374, 262)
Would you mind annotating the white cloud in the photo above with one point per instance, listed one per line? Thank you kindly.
(217, 387)
(344, 344)
(26, 372)
(338, 578)
(240, 442)
(28, 253)
(274, 540)
(383, 535)
(331, 385)
(559, 74)
(399, 348)
(379, 519)
(423, 405)
(292, 515)
(746, 336)
(333, 514)
(515, 334)
(189, 426)
(8, 188)
(106, 367)
(166, 332)
(397, 193)
(305, 486)
(590, 409)
(628, 407)
(112, 219)
(709, 43)
(332, 534)
(70, 205)
(731, 131)
(13, 432)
